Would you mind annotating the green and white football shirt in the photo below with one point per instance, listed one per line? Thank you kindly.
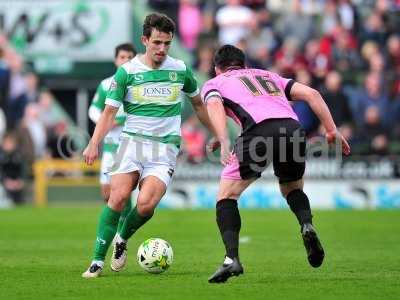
(152, 98)
(96, 108)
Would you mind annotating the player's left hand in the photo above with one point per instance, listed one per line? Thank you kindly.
(332, 137)
(91, 153)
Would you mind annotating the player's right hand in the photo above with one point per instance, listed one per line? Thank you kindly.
(91, 153)
(334, 136)
(226, 154)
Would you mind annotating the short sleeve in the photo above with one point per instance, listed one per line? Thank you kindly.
(99, 97)
(117, 91)
(210, 89)
(285, 84)
(190, 85)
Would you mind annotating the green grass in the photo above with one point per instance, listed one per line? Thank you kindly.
(44, 251)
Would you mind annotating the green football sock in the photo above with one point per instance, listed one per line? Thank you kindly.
(132, 223)
(127, 209)
(107, 227)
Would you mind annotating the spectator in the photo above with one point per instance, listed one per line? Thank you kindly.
(329, 17)
(50, 114)
(17, 98)
(296, 24)
(368, 49)
(370, 95)
(204, 60)
(168, 7)
(374, 29)
(12, 169)
(338, 104)
(32, 87)
(395, 107)
(4, 74)
(392, 63)
(345, 56)
(189, 23)
(289, 58)
(209, 30)
(308, 120)
(317, 63)
(376, 63)
(3, 124)
(393, 52)
(250, 61)
(31, 134)
(347, 14)
(194, 140)
(59, 142)
(263, 17)
(234, 21)
(261, 42)
(256, 5)
(372, 134)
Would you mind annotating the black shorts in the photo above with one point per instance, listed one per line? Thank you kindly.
(280, 141)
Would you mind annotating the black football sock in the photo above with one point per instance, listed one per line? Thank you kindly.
(229, 223)
(300, 206)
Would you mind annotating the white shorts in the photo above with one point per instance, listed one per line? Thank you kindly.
(146, 156)
(107, 162)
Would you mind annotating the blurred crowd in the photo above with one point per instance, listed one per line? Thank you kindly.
(348, 50)
(32, 124)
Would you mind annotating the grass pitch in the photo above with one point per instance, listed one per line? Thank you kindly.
(44, 251)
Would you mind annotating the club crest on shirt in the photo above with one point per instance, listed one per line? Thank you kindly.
(173, 76)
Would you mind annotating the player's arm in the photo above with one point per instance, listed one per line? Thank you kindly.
(98, 105)
(216, 109)
(202, 113)
(103, 126)
(192, 91)
(114, 99)
(314, 99)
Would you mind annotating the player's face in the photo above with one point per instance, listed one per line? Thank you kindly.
(157, 46)
(122, 57)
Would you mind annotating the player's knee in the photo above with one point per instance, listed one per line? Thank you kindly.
(118, 198)
(105, 197)
(105, 193)
(288, 187)
(145, 208)
(230, 193)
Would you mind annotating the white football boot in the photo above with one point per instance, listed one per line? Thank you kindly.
(119, 256)
(93, 271)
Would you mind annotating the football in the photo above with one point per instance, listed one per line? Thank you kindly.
(155, 255)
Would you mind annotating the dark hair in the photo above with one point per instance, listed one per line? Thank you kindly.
(160, 22)
(229, 56)
(125, 47)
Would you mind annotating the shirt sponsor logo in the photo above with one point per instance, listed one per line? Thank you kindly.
(157, 91)
(143, 94)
